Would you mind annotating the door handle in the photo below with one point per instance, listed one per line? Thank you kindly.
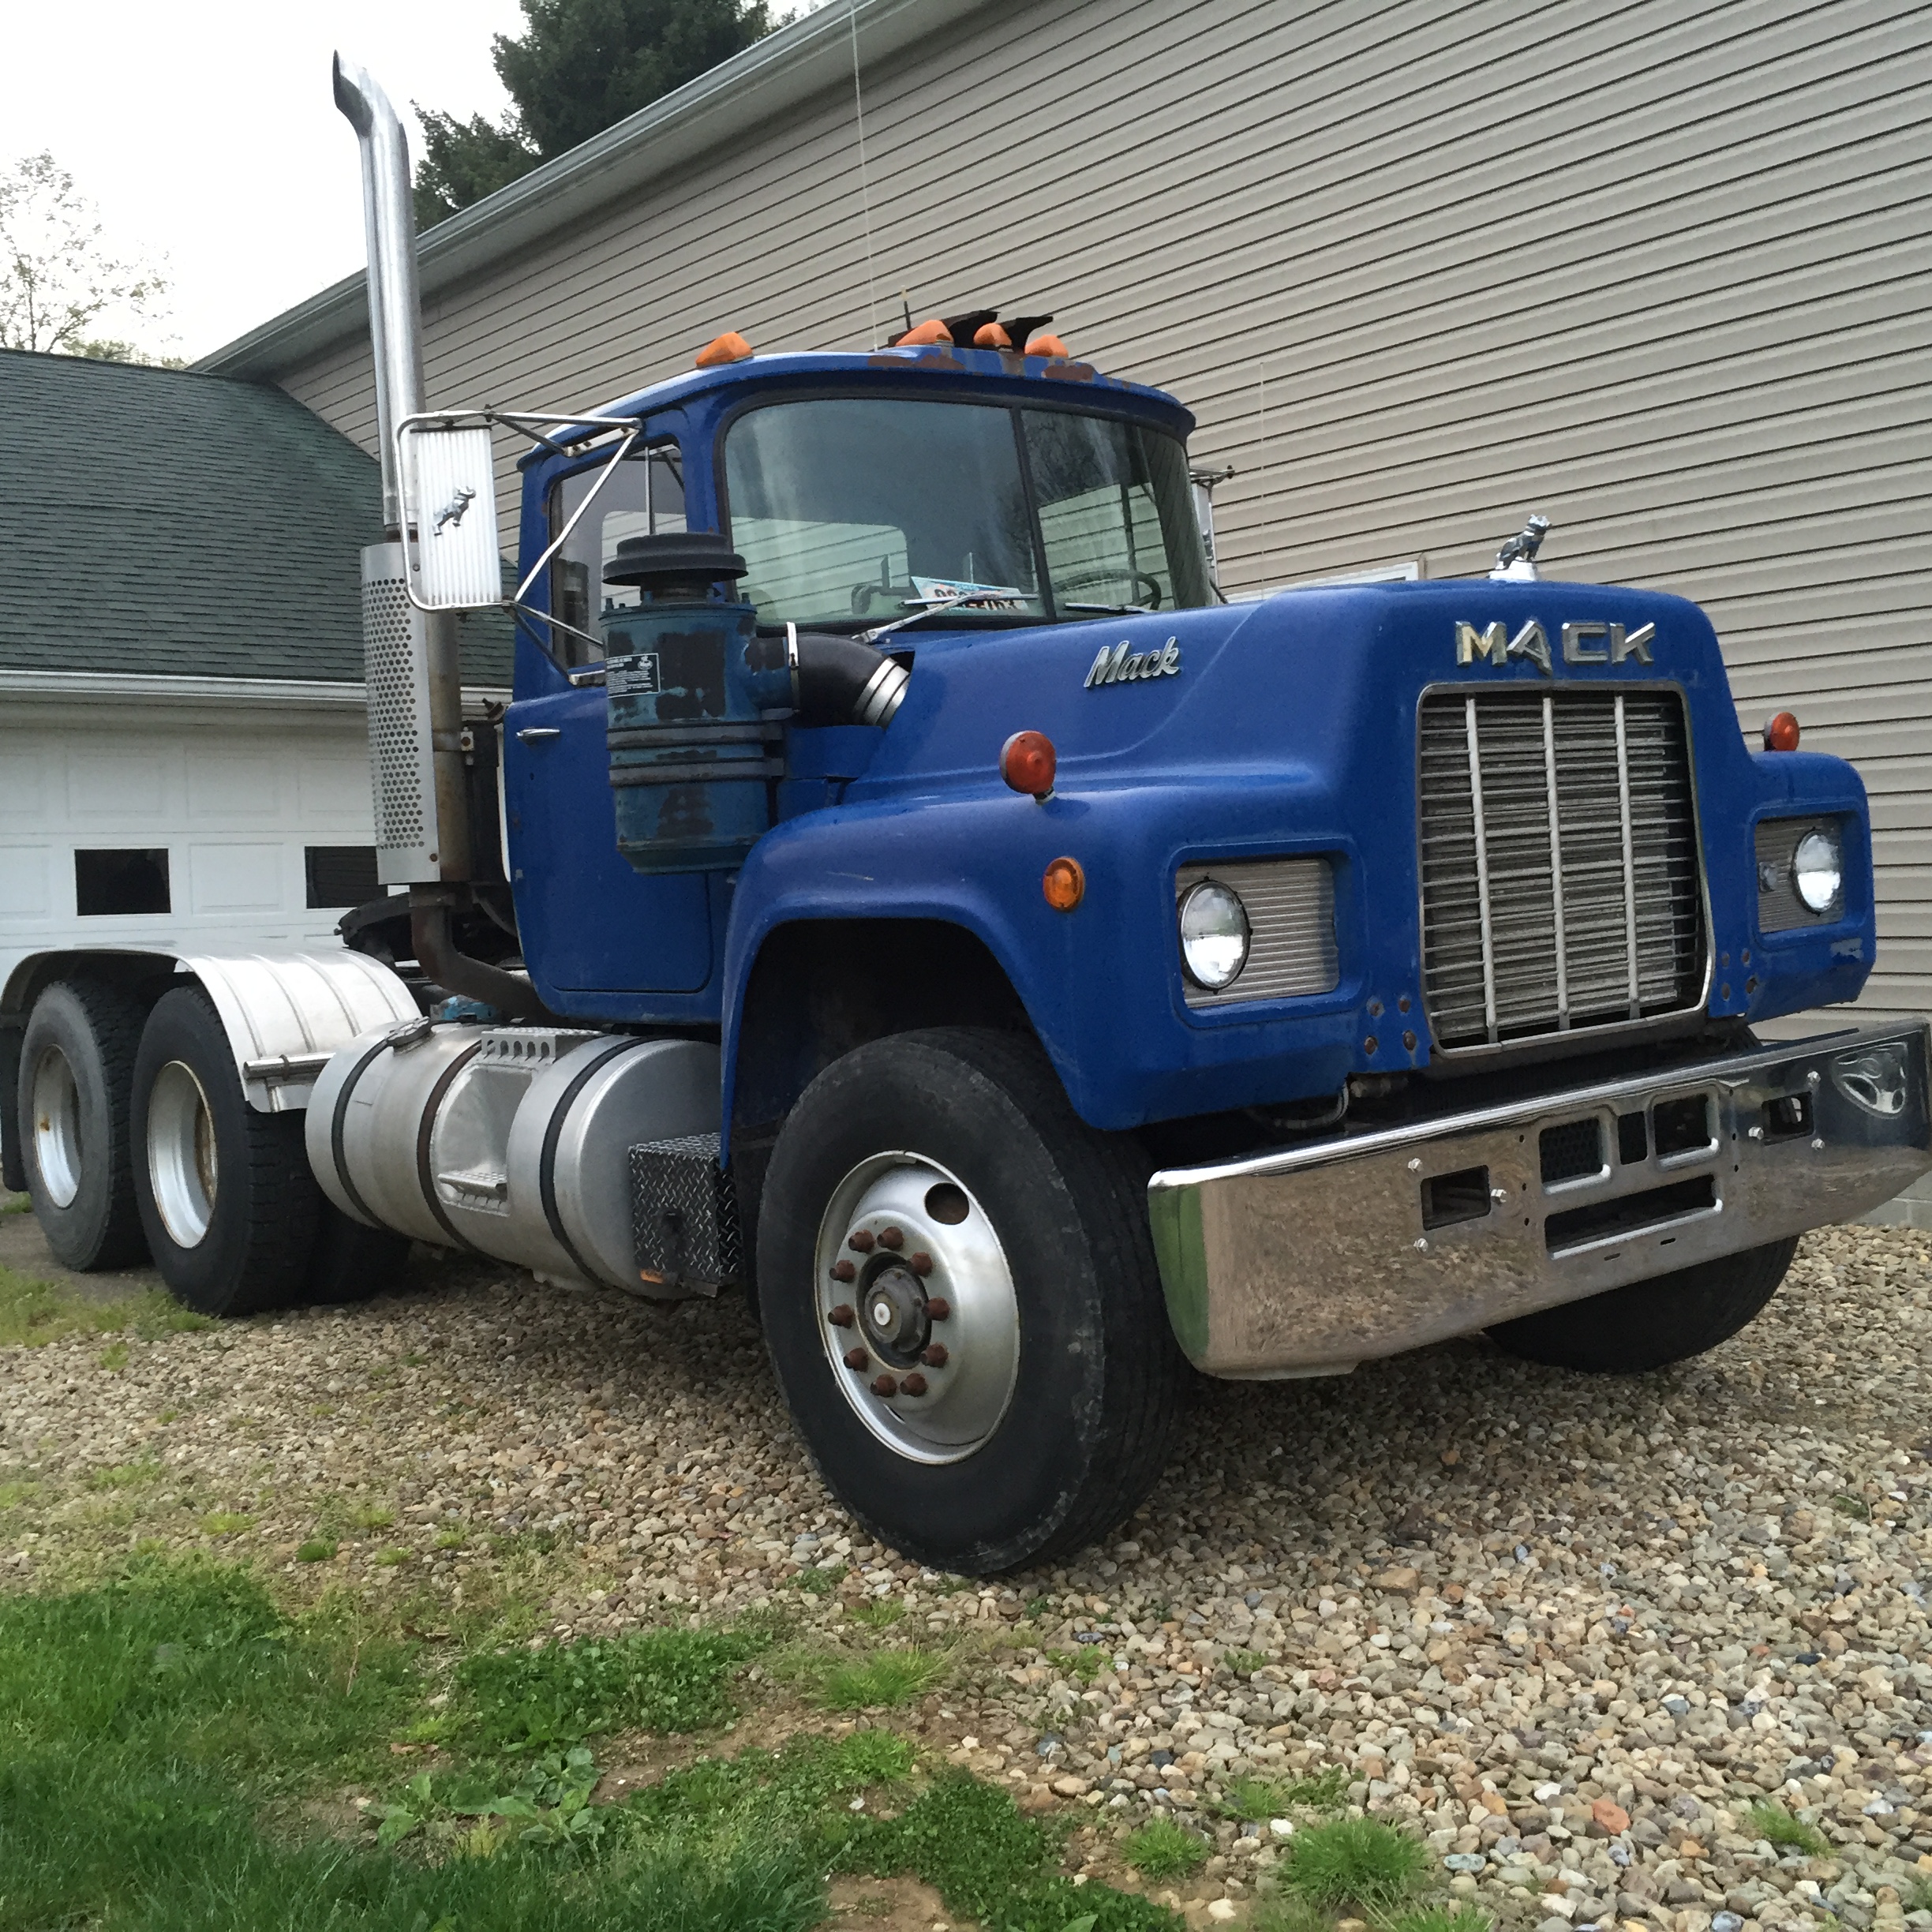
(539, 733)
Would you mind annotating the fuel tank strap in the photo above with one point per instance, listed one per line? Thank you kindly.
(338, 1122)
(424, 1179)
(553, 1132)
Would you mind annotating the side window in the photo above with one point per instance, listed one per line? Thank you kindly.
(1117, 519)
(645, 497)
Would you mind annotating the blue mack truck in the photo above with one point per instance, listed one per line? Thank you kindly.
(903, 887)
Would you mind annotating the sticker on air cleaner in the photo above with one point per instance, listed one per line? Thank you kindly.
(633, 677)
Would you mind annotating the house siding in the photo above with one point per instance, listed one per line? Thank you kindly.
(1657, 271)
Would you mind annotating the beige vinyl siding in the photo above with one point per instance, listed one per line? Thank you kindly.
(1660, 270)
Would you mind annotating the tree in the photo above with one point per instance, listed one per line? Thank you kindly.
(578, 67)
(57, 277)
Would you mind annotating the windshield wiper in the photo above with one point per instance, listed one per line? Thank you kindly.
(1114, 610)
(933, 610)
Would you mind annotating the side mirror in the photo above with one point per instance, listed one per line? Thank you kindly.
(448, 472)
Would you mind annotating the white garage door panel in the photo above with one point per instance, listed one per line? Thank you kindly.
(333, 789)
(130, 785)
(23, 784)
(24, 892)
(223, 784)
(235, 878)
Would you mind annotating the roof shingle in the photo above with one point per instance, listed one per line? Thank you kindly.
(166, 522)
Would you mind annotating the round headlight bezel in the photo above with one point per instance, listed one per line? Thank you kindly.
(1826, 863)
(1201, 900)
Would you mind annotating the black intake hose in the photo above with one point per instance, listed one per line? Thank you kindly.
(835, 680)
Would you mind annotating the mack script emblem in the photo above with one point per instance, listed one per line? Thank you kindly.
(1582, 644)
(1120, 664)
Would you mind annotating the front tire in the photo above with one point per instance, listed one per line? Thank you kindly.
(76, 1079)
(231, 1211)
(1650, 1324)
(935, 1204)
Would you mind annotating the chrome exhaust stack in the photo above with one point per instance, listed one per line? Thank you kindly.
(411, 657)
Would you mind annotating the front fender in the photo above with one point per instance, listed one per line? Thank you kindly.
(1101, 986)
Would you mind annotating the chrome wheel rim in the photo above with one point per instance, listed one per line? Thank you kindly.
(910, 1276)
(181, 1167)
(57, 1128)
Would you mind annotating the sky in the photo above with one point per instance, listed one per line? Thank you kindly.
(205, 132)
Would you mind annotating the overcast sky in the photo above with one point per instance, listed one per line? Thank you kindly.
(205, 131)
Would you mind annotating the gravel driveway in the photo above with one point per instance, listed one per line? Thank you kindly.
(1571, 1628)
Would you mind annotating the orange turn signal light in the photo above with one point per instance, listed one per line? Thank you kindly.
(729, 347)
(1045, 346)
(1780, 732)
(1027, 762)
(990, 335)
(928, 332)
(1065, 884)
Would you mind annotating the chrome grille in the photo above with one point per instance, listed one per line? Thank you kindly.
(1560, 879)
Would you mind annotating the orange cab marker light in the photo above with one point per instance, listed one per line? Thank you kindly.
(990, 335)
(929, 332)
(1780, 732)
(729, 347)
(1065, 884)
(1046, 346)
(1027, 763)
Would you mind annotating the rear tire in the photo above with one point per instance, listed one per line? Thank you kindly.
(1652, 1323)
(231, 1211)
(1047, 1414)
(352, 1262)
(76, 1079)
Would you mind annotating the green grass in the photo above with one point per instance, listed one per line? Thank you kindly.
(1162, 1849)
(18, 1495)
(450, 1539)
(163, 1734)
(318, 1549)
(125, 1475)
(1259, 1799)
(1243, 1663)
(1851, 1505)
(1352, 1861)
(878, 1613)
(653, 1680)
(886, 1679)
(372, 1516)
(33, 1313)
(1438, 1918)
(1771, 1821)
(1919, 1896)
(820, 1582)
(226, 1523)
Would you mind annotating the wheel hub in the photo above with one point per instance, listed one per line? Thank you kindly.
(57, 1128)
(893, 1314)
(183, 1168)
(920, 1317)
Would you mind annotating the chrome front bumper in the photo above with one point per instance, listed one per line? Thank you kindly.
(1310, 1259)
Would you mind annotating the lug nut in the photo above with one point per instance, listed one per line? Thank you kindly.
(861, 1240)
(843, 1270)
(858, 1359)
(884, 1385)
(841, 1316)
(938, 1307)
(891, 1237)
(914, 1384)
(920, 1264)
(935, 1355)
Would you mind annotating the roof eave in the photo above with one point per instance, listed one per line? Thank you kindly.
(802, 59)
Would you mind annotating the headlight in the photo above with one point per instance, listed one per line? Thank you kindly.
(1817, 870)
(1214, 935)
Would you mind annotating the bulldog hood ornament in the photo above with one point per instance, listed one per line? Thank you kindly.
(1516, 561)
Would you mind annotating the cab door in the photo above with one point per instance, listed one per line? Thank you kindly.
(589, 922)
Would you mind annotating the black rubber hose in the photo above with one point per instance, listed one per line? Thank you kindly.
(835, 680)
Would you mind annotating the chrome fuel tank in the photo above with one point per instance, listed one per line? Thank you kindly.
(510, 1141)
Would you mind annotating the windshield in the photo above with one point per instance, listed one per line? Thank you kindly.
(867, 510)
(645, 497)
